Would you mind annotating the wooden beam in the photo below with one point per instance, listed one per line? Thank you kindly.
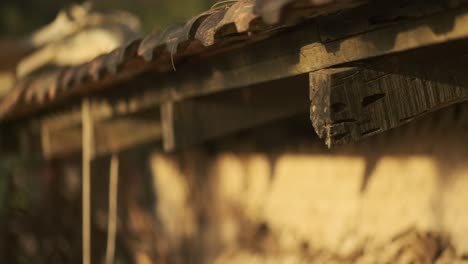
(306, 48)
(351, 103)
(380, 14)
(198, 119)
(123, 133)
(363, 33)
(61, 137)
(301, 51)
(293, 53)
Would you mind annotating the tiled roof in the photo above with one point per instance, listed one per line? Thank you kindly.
(242, 22)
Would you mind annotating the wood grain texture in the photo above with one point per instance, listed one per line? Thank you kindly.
(294, 53)
(302, 51)
(200, 119)
(111, 135)
(351, 103)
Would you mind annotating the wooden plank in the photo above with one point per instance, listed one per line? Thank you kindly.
(124, 133)
(119, 125)
(292, 53)
(111, 135)
(193, 121)
(302, 51)
(351, 103)
(297, 51)
(379, 14)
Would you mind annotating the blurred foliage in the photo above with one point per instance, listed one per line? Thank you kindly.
(158, 14)
(18, 17)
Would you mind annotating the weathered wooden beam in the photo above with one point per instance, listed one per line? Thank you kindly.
(358, 34)
(379, 14)
(198, 119)
(293, 53)
(303, 50)
(351, 103)
(111, 135)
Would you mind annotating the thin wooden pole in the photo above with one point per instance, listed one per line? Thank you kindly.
(113, 214)
(87, 140)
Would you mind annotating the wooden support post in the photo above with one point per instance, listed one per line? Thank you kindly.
(199, 119)
(351, 103)
(112, 214)
(88, 145)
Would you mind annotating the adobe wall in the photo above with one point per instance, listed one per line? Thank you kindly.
(401, 197)
(274, 194)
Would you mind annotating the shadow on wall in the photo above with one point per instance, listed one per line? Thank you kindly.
(274, 194)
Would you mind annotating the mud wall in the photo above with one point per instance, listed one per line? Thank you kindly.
(277, 196)
(274, 194)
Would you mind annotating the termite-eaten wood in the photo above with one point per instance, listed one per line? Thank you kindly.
(351, 103)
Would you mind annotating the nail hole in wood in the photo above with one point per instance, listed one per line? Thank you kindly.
(338, 107)
(368, 100)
